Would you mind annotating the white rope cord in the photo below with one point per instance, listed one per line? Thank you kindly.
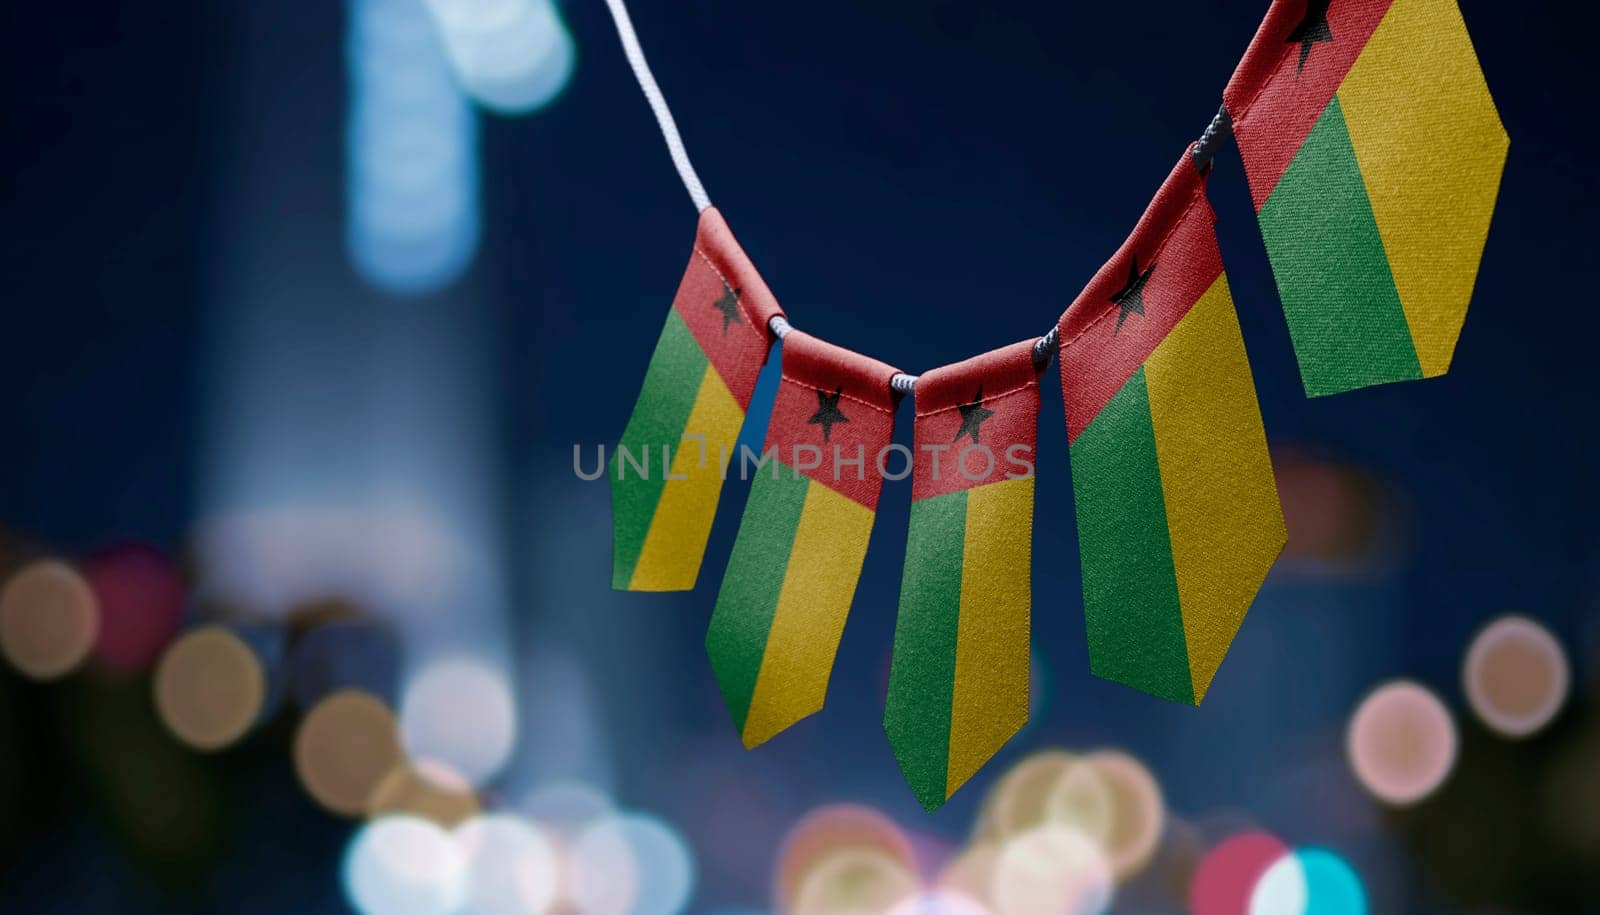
(1218, 131)
(658, 103)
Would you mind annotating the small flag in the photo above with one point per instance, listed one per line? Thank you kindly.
(958, 684)
(793, 570)
(1374, 154)
(666, 475)
(1178, 517)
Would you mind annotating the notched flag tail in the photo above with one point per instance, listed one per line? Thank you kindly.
(793, 569)
(666, 475)
(1374, 153)
(958, 684)
(1178, 515)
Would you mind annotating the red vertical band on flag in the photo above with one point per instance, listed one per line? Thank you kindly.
(839, 402)
(726, 306)
(1288, 75)
(1139, 296)
(977, 422)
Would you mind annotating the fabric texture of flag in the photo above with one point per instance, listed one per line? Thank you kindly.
(1178, 514)
(667, 472)
(1374, 153)
(958, 683)
(795, 562)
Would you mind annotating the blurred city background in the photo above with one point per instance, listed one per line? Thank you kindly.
(303, 609)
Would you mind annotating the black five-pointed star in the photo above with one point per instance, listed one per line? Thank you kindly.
(1312, 29)
(1131, 296)
(728, 304)
(972, 416)
(828, 412)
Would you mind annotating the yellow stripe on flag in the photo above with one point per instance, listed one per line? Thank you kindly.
(990, 698)
(830, 543)
(1223, 516)
(1431, 146)
(675, 543)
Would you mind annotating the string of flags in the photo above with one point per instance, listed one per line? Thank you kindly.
(1373, 153)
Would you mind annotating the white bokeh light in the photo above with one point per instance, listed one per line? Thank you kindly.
(665, 865)
(511, 56)
(1282, 889)
(412, 181)
(940, 902)
(603, 870)
(404, 865)
(568, 807)
(1051, 870)
(460, 711)
(512, 868)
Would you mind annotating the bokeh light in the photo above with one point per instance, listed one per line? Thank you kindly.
(1226, 879)
(940, 902)
(833, 828)
(140, 594)
(412, 181)
(930, 850)
(666, 865)
(1082, 799)
(1051, 786)
(1333, 885)
(290, 560)
(401, 865)
(426, 788)
(661, 867)
(603, 870)
(511, 56)
(566, 806)
(1401, 743)
(1282, 890)
(1051, 870)
(1137, 811)
(512, 867)
(971, 872)
(1516, 676)
(1334, 514)
(210, 688)
(459, 711)
(1017, 799)
(1309, 881)
(344, 749)
(48, 619)
(854, 881)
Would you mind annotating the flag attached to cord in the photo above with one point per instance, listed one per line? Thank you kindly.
(667, 472)
(958, 684)
(1374, 154)
(795, 561)
(1178, 516)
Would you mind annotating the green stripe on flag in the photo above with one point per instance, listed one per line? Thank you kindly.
(1338, 292)
(922, 675)
(671, 384)
(1130, 591)
(736, 640)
